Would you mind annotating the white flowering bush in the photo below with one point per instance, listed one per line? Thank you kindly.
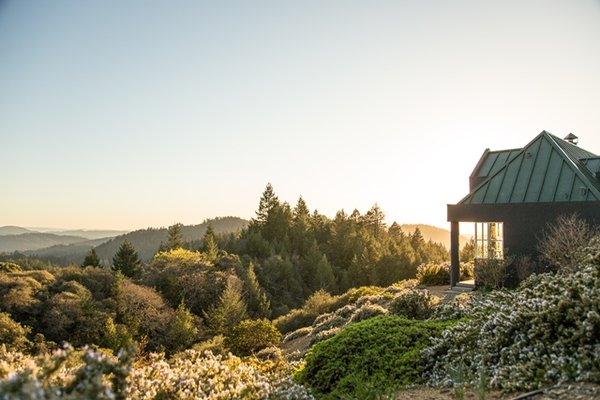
(545, 332)
(188, 375)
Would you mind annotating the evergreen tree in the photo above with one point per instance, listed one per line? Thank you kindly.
(174, 239)
(126, 260)
(416, 240)
(229, 311)
(268, 202)
(257, 300)
(91, 259)
(182, 331)
(209, 243)
(374, 221)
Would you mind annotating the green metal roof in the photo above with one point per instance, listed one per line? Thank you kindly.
(548, 169)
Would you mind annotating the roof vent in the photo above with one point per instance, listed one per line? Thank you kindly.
(572, 139)
(598, 174)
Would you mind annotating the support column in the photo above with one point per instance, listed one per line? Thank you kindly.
(454, 249)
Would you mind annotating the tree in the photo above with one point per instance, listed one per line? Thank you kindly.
(91, 259)
(182, 331)
(229, 311)
(209, 243)
(258, 303)
(467, 253)
(268, 201)
(250, 336)
(126, 260)
(175, 238)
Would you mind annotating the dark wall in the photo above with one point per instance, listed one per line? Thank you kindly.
(523, 223)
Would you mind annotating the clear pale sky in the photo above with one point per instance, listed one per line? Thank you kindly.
(129, 114)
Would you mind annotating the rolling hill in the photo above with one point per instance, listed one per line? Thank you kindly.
(438, 235)
(145, 241)
(35, 241)
(13, 230)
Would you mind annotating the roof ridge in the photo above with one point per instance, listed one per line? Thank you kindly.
(574, 165)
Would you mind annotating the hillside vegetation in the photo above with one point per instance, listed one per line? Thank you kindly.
(165, 328)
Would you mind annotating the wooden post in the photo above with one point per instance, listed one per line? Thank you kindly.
(454, 249)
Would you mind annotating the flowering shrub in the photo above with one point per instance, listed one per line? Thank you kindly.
(298, 333)
(414, 303)
(189, 375)
(545, 332)
(367, 311)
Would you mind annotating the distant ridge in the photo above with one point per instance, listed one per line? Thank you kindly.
(34, 241)
(145, 241)
(437, 235)
(12, 230)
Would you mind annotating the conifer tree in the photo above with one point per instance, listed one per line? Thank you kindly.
(209, 243)
(91, 259)
(229, 311)
(126, 260)
(175, 238)
(258, 302)
(182, 331)
(268, 202)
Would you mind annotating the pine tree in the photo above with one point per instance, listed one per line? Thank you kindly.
(182, 331)
(126, 260)
(175, 238)
(209, 243)
(91, 259)
(268, 202)
(229, 311)
(258, 303)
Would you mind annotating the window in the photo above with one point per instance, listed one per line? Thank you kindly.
(488, 240)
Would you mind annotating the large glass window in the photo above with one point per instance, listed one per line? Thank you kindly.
(488, 240)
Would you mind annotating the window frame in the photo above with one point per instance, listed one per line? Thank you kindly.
(489, 240)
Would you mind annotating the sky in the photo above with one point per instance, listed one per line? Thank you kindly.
(134, 114)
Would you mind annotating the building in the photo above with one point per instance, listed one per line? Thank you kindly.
(515, 193)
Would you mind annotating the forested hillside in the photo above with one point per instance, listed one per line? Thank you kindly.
(297, 252)
(146, 241)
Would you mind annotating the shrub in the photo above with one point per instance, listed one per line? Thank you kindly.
(545, 332)
(12, 333)
(250, 336)
(9, 267)
(382, 352)
(414, 303)
(491, 274)
(562, 242)
(188, 375)
(318, 303)
(298, 333)
(433, 274)
(367, 311)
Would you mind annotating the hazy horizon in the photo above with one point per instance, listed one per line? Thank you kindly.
(126, 115)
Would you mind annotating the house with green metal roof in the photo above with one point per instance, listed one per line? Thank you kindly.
(515, 193)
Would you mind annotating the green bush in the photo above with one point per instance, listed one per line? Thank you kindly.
(250, 336)
(9, 267)
(433, 274)
(382, 353)
(318, 303)
(12, 333)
